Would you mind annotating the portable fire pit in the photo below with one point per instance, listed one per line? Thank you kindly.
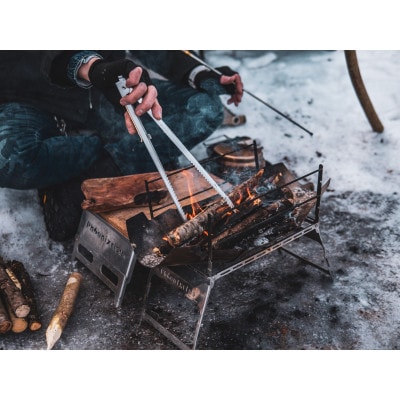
(273, 208)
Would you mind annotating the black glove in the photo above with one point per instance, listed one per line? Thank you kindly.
(204, 75)
(104, 74)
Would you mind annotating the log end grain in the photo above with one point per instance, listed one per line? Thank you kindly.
(22, 311)
(5, 326)
(19, 325)
(35, 326)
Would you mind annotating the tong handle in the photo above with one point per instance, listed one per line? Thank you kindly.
(123, 90)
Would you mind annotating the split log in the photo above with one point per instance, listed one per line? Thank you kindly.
(19, 325)
(217, 210)
(107, 194)
(13, 295)
(64, 309)
(110, 194)
(23, 281)
(5, 321)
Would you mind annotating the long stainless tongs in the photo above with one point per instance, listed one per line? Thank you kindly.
(145, 137)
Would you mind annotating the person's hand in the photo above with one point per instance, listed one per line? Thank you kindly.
(140, 90)
(104, 74)
(234, 84)
(229, 82)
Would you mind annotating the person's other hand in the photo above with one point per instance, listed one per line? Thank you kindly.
(234, 84)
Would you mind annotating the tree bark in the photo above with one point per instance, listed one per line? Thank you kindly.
(5, 321)
(64, 309)
(26, 286)
(13, 295)
(361, 91)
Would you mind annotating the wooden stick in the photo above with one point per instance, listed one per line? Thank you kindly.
(24, 281)
(13, 295)
(5, 322)
(361, 91)
(64, 309)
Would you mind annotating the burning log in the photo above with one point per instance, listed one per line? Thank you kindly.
(249, 221)
(13, 294)
(64, 309)
(216, 211)
(5, 322)
(23, 281)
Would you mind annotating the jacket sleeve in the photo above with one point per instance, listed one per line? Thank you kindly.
(54, 66)
(174, 65)
(60, 66)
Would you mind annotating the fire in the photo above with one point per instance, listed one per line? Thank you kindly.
(193, 203)
(249, 196)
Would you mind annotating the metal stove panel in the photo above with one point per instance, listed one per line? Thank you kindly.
(106, 252)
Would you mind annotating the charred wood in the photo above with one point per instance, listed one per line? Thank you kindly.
(251, 220)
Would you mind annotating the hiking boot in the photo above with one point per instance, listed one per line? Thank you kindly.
(61, 203)
(62, 209)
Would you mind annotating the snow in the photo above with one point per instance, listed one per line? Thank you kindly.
(314, 89)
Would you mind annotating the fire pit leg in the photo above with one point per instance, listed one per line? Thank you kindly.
(205, 291)
(198, 294)
(314, 235)
(145, 316)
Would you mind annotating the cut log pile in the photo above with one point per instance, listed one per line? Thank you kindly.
(18, 308)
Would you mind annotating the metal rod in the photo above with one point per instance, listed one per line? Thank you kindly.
(319, 194)
(249, 93)
(150, 148)
(175, 140)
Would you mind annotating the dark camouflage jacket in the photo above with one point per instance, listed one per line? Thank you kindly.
(39, 78)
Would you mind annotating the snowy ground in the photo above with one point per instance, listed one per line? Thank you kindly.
(360, 216)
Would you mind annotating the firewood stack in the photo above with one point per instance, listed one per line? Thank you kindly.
(18, 309)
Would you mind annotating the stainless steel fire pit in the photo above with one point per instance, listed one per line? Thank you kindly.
(285, 211)
(193, 271)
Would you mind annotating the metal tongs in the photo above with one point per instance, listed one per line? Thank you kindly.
(146, 138)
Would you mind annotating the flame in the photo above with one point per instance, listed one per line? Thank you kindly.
(277, 178)
(249, 196)
(193, 203)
